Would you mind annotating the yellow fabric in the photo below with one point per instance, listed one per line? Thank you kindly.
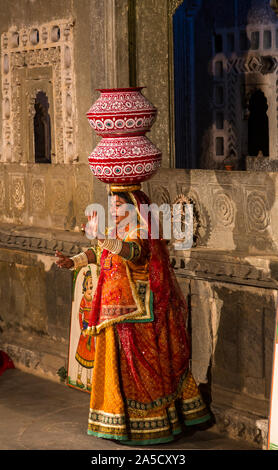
(105, 383)
(111, 417)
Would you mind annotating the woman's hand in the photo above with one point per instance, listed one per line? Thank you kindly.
(63, 261)
(92, 228)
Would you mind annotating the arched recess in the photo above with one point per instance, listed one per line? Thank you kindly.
(42, 129)
(258, 124)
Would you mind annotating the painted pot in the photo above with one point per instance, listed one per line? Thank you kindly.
(125, 160)
(122, 116)
(121, 110)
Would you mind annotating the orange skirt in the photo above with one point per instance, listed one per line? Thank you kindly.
(85, 351)
(116, 410)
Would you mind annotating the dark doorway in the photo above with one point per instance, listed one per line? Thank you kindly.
(258, 130)
(42, 129)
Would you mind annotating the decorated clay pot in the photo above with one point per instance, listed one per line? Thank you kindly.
(125, 160)
(121, 110)
(125, 155)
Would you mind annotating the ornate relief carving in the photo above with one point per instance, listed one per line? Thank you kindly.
(17, 196)
(49, 45)
(223, 208)
(83, 195)
(38, 195)
(233, 141)
(35, 243)
(59, 205)
(184, 201)
(252, 64)
(204, 225)
(257, 211)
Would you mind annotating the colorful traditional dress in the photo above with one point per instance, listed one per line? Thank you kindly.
(141, 375)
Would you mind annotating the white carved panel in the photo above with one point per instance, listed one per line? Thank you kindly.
(47, 45)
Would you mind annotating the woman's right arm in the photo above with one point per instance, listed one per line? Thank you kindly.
(82, 259)
(91, 255)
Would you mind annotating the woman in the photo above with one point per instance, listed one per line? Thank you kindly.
(142, 389)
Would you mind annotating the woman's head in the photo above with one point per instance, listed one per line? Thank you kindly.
(118, 200)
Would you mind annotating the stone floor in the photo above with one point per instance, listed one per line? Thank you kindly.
(39, 414)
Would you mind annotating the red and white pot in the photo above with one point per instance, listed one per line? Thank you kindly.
(125, 155)
(121, 110)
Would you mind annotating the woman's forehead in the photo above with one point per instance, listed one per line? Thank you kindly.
(118, 199)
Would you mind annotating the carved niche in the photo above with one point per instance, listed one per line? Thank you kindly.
(38, 59)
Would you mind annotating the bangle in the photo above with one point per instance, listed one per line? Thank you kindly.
(134, 251)
(113, 245)
(79, 261)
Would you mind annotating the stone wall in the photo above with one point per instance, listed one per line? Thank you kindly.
(230, 280)
(237, 210)
(48, 196)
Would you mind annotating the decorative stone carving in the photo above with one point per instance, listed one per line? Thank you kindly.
(84, 198)
(37, 195)
(184, 201)
(223, 208)
(35, 243)
(59, 198)
(17, 196)
(204, 226)
(257, 211)
(251, 64)
(48, 45)
(233, 143)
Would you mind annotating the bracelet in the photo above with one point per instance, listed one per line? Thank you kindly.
(79, 261)
(134, 251)
(113, 245)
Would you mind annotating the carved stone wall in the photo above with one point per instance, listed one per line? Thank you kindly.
(46, 196)
(230, 281)
(38, 59)
(238, 210)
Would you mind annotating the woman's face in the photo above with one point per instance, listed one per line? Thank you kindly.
(116, 203)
